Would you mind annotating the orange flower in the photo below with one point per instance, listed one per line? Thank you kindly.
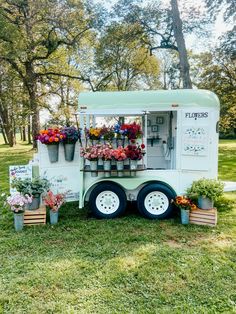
(56, 139)
(51, 139)
(61, 136)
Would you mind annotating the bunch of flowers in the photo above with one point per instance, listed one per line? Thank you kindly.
(135, 152)
(133, 130)
(119, 153)
(106, 152)
(184, 202)
(118, 131)
(93, 133)
(70, 135)
(50, 136)
(91, 152)
(18, 201)
(107, 133)
(54, 201)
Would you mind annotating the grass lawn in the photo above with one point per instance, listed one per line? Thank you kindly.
(125, 265)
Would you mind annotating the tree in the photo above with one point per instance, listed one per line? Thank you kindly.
(123, 60)
(32, 31)
(163, 28)
(216, 71)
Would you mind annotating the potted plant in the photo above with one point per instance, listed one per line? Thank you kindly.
(93, 134)
(51, 138)
(207, 191)
(92, 154)
(34, 188)
(107, 157)
(132, 131)
(17, 204)
(119, 156)
(107, 134)
(54, 202)
(134, 152)
(185, 204)
(70, 137)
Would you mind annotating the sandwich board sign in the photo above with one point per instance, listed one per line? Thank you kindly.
(19, 172)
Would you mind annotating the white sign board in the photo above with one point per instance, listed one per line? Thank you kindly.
(63, 180)
(19, 172)
(195, 141)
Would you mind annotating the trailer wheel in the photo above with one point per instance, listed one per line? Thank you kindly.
(154, 201)
(107, 200)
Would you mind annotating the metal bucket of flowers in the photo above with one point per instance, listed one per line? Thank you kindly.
(70, 137)
(51, 138)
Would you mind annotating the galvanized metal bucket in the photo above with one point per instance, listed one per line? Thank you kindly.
(53, 217)
(53, 152)
(184, 216)
(69, 150)
(18, 221)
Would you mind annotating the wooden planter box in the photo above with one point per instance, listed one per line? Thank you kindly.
(206, 217)
(35, 217)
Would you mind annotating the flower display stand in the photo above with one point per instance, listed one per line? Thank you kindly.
(207, 217)
(35, 217)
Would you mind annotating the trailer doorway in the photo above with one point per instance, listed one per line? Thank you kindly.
(161, 140)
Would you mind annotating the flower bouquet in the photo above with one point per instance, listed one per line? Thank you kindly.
(120, 156)
(54, 202)
(106, 151)
(17, 204)
(93, 134)
(134, 153)
(132, 131)
(92, 153)
(107, 133)
(51, 138)
(70, 137)
(185, 204)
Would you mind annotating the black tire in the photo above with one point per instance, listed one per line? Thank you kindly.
(100, 197)
(159, 193)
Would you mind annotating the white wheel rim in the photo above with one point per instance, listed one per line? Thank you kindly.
(107, 202)
(156, 203)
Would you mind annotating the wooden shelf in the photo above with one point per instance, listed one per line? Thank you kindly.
(113, 169)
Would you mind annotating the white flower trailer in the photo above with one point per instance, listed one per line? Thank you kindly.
(180, 133)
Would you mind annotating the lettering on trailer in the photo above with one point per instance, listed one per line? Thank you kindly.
(196, 115)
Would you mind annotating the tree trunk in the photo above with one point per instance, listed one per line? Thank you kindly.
(4, 134)
(29, 130)
(178, 33)
(23, 134)
(31, 84)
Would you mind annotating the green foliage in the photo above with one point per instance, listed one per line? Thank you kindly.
(31, 187)
(209, 188)
(224, 204)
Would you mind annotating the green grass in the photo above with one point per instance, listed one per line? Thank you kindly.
(125, 265)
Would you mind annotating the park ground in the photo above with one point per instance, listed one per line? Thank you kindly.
(125, 265)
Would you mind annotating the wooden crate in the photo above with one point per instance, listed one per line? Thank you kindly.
(35, 217)
(206, 217)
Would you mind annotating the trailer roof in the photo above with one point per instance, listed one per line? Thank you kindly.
(146, 100)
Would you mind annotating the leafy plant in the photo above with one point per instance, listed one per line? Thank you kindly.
(31, 187)
(209, 188)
